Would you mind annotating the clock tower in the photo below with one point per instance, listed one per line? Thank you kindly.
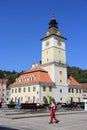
(54, 59)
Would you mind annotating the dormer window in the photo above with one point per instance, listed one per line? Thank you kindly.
(32, 77)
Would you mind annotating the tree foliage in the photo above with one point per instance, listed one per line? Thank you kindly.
(79, 74)
(51, 99)
(11, 76)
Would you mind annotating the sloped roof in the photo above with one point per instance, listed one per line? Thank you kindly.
(84, 86)
(73, 82)
(34, 75)
(3, 80)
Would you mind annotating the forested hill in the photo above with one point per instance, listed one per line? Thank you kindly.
(11, 76)
(79, 74)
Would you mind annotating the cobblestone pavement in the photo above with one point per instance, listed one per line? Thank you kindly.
(68, 121)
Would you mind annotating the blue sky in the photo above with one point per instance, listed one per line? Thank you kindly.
(24, 22)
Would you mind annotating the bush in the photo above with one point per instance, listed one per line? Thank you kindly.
(11, 104)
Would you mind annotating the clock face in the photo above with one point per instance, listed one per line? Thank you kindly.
(47, 43)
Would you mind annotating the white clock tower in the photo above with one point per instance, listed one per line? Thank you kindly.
(54, 60)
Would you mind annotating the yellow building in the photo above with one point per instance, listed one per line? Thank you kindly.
(34, 85)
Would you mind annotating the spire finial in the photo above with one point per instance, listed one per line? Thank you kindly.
(53, 22)
(53, 15)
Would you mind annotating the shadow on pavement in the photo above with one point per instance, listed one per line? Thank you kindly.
(7, 128)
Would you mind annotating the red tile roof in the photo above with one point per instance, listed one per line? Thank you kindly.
(34, 75)
(73, 82)
(84, 86)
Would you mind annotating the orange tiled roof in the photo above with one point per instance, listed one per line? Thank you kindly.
(73, 82)
(38, 74)
(84, 86)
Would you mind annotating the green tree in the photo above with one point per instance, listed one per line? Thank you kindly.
(51, 99)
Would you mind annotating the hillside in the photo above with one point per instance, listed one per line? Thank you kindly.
(79, 74)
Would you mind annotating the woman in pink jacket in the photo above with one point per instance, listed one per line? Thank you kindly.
(52, 113)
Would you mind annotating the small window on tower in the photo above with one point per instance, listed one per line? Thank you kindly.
(47, 43)
(59, 43)
(60, 72)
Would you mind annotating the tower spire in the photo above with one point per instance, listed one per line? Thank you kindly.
(53, 22)
(53, 28)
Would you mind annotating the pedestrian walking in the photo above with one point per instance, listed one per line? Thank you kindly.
(52, 113)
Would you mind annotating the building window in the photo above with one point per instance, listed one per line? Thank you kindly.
(69, 90)
(12, 90)
(71, 99)
(15, 99)
(28, 99)
(24, 89)
(50, 88)
(60, 81)
(72, 90)
(21, 80)
(60, 90)
(79, 90)
(33, 98)
(24, 79)
(60, 99)
(44, 88)
(7, 93)
(78, 99)
(45, 99)
(15, 90)
(28, 89)
(34, 89)
(60, 72)
(19, 90)
(31, 77)
(76, 90)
